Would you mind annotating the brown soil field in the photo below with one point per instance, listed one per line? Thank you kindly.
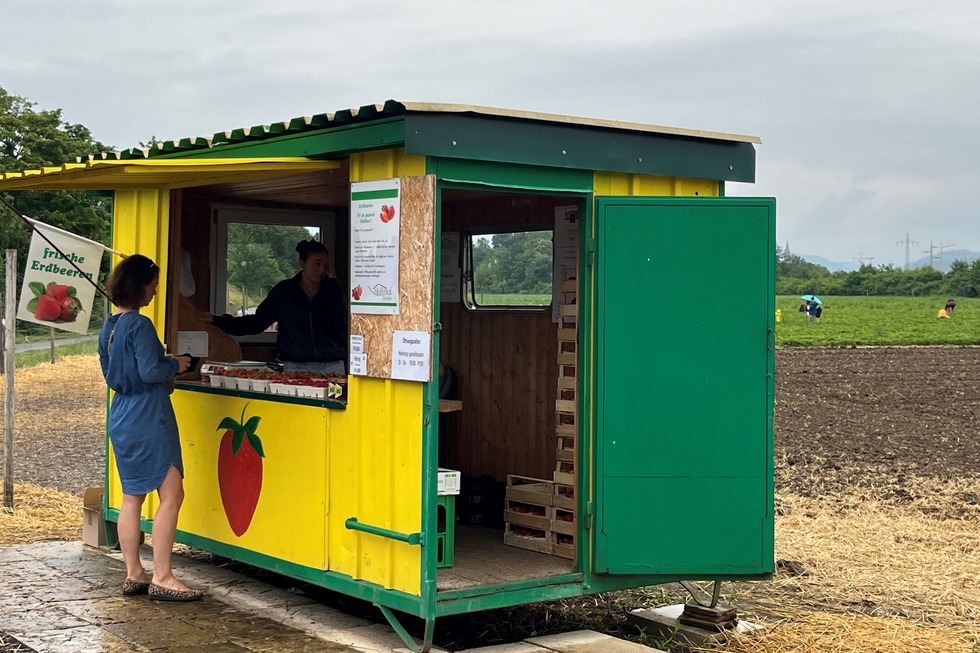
(877, 456)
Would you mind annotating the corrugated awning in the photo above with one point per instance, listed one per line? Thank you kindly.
(98, 174)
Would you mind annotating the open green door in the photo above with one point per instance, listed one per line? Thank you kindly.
(684, 386)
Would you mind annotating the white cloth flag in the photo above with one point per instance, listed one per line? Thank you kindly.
(55, 293)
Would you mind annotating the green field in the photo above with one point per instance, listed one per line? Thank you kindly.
(879, 321)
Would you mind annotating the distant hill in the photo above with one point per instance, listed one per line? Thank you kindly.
(833, 266)
(849, 266)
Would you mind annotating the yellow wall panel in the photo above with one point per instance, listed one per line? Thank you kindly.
(622, 183)
(141, 225)
(385, 164)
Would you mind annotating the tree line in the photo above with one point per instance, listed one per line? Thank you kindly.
(795, 276)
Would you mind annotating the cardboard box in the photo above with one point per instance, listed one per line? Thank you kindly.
(93, 523)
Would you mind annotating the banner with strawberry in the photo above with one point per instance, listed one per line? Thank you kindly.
(375, 213)
(55, 293)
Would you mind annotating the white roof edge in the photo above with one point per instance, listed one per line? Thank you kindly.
(577, 120)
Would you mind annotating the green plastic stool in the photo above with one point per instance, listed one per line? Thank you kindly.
(445, 529)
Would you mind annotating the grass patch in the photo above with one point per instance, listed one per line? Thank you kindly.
(41, 356)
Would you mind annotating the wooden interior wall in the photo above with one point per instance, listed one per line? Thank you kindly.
(504, 362)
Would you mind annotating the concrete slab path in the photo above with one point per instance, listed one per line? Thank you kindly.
(65, 597)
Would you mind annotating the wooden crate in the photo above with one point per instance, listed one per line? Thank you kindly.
(541, 544)
(563, 545)
(569, 286)
(539, 521)
(564, 473)
(563, 521)
(568, 335)
(566, 406)
(567, 382)
(567, 358)
(565, 497)
(569, 311)
(566, 430)
(532, 491)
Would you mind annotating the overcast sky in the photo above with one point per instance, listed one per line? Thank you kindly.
(869, 112)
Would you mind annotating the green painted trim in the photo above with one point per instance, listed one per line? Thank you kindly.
(399, 629)
(581, 147)
(327, 579)
(588, 279)
(430, 435)
(195, 386)
(721, 189)
(326, 142)
(410, 538)
(509, 175)
(375, 194)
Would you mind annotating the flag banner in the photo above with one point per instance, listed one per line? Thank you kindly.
(55, 293)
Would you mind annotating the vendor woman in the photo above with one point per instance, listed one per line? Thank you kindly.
(311, 311)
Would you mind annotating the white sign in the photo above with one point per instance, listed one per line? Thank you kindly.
(358, 357)
(194, 343)
(54, 293)
(410, 355)
(566, 226)
(375, 210)
(449, 290)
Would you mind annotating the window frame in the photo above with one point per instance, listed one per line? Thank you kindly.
(468, 294)
(223, 214)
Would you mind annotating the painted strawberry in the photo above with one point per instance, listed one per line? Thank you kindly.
(70, 308)
(47, 308)
(356, 293)
(240, 457)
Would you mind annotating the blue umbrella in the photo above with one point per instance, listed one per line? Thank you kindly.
(811, 298)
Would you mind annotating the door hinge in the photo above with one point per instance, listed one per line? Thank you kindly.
(590, 249)
(589, 515)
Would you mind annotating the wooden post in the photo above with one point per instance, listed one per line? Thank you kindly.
(51, 336)
(8, 382)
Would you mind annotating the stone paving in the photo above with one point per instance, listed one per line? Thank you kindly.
(65, 597)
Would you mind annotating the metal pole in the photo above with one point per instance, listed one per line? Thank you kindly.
(8, 382)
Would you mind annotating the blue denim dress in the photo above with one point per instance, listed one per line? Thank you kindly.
(142, 425)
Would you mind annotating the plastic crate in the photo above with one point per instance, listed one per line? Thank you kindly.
(445, 529)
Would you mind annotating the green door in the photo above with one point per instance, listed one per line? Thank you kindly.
(684, 386)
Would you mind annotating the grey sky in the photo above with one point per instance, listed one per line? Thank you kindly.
(867, 110)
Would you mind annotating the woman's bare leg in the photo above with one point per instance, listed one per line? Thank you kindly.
(128, 529)
(165, 529)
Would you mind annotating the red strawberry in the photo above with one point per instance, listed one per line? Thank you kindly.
(47, 309)
(240, 471)
(356, 293)
(58, 291)
(70, 308)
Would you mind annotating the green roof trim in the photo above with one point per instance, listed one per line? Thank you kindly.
(486, 134)
(505, 140)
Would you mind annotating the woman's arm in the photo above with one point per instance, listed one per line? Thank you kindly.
(266, 314)
(151, 363)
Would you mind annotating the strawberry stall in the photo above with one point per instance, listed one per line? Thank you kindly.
(529, 333)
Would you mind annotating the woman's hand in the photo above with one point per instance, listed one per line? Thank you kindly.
(183, 362)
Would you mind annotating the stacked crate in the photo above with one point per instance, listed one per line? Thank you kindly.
(566, 420)
(528, 513)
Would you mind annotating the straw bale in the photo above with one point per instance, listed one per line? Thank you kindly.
(40, 515)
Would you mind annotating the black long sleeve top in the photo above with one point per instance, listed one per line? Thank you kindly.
(309, 329)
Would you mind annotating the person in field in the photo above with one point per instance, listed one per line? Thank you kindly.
(950, 305)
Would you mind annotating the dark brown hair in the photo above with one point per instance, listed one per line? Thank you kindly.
(129, 279)
(307, 247)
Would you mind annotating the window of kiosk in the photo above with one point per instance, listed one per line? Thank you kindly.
(510, 268)
(254, 249)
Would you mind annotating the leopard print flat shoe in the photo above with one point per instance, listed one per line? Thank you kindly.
(160, 593)
(134, 587)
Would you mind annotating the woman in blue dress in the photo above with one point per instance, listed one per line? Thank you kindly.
(142, 427)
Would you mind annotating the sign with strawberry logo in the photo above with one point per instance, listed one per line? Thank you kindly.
(55, 293)
(375, 211)
(240, 457)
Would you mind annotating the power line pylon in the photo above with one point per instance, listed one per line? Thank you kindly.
(907, 242)
(942, 249)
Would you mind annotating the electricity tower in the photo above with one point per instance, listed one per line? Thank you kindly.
(907, 242)
(942, 249)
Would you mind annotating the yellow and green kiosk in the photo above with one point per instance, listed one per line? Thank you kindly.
(628, 408)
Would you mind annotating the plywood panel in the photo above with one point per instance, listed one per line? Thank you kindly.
(416, 270)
